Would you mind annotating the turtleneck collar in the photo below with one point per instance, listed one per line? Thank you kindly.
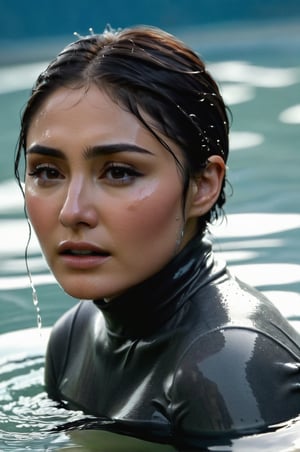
(142, 309)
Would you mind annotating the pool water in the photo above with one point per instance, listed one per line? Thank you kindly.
(258, 68)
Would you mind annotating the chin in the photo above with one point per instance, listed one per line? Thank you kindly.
(89, 294)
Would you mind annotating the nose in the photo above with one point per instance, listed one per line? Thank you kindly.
(78, 207)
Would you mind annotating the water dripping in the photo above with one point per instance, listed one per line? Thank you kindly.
(33, 290)
(38, 311)
(35, 302)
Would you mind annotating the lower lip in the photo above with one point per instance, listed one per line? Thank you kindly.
(83, 262)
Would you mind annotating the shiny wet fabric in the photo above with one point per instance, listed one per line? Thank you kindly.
(188, 355)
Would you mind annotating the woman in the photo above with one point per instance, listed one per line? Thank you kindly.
(126, 141)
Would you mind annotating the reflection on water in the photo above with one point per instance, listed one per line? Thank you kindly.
(11, 80)
(291, 115)
(30, 420)
(260, 240)
(244, 72)
(240, 140)
(26, 414)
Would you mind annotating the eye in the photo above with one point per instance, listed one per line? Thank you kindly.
(120, 174)
(45, 174)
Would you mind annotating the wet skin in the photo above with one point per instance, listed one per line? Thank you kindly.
(103, 195)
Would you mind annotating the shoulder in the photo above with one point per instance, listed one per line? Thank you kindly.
(235, 379)
(81, 313)
(62, 329)
(227, 301)
(60, 340)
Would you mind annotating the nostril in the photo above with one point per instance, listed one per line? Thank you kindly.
(76, 217)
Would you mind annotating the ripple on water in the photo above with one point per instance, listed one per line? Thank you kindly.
(27, 416)
(29, 420)
(26, 413)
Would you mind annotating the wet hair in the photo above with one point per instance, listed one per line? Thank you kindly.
(145, 70)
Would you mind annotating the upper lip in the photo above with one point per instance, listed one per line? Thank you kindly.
(69, 246)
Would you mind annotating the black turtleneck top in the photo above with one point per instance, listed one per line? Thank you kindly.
(190, 353)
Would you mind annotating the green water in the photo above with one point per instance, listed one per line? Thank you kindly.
(259, 73)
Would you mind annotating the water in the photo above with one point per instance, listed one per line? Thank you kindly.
(259, 72)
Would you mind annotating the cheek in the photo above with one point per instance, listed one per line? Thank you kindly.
(152, 213)
(39, 214)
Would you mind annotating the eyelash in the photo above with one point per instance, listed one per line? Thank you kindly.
(39, 169)
(121, 169)
(43, 171)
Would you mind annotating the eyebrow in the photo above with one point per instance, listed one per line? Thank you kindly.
(89, 152)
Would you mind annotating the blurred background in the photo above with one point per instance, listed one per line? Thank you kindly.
(28, 29)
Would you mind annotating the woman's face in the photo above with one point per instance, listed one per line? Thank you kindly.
(103, 195)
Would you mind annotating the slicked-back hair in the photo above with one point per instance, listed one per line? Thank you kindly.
(145, 70)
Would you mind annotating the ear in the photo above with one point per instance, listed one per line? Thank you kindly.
(205, 188)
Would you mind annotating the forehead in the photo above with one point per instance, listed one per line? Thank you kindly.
(85, 111)
(67, 100)
(92, 115)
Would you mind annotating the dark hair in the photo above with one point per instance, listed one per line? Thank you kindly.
(145, 69)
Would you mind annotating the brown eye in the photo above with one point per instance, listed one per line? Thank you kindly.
(45, 173)
(121, 174)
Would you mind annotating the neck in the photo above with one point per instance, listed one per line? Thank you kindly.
(146, 307)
